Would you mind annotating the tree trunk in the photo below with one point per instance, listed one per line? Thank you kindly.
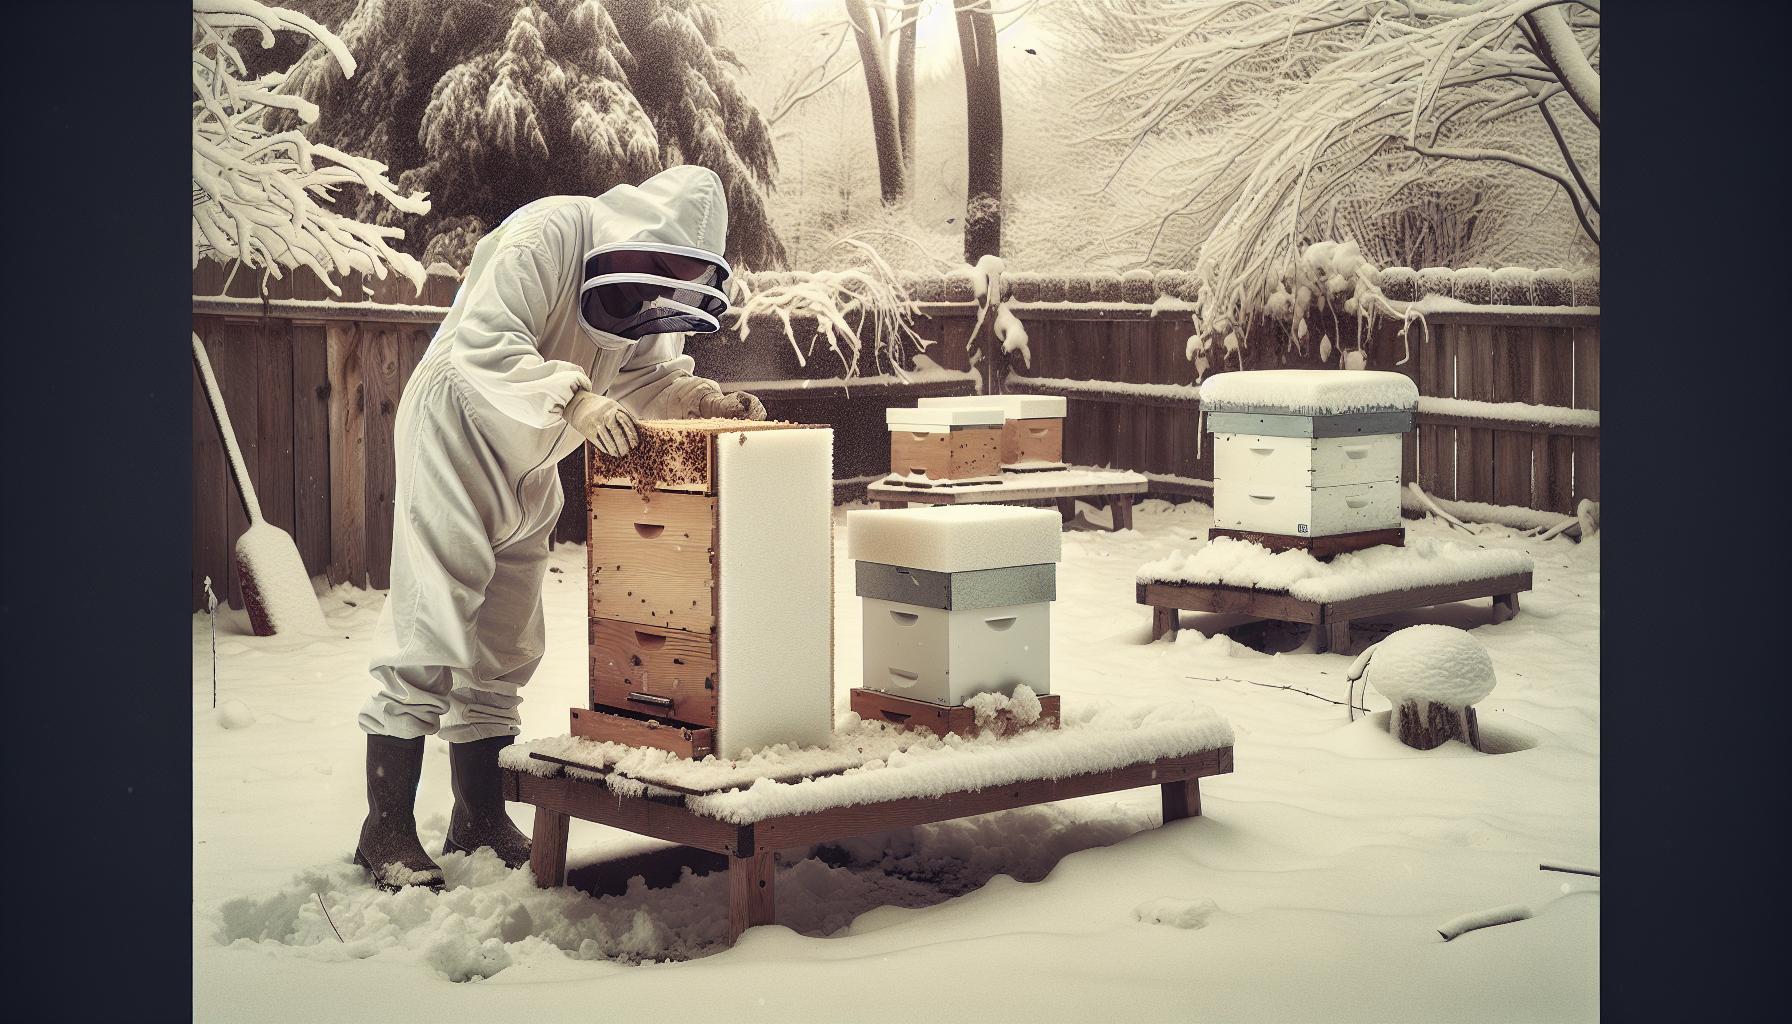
(983, 109)
(891, 178)
(1423, 725)
(905, 93)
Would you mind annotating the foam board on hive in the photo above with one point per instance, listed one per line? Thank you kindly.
(775, 575)
(1014, 407)
(1309, 392)
(947, 657)
(938, 418)
(955, 538)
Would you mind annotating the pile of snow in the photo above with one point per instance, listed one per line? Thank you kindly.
(987, 287)
(1176, 913)
(1023, 706)
(1422, 562)
(1309, 392)
(266, 553)
(1439, 664)
(888, 763)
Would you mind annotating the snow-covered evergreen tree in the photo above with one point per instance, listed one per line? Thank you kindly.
(489, 104)
(257, 188)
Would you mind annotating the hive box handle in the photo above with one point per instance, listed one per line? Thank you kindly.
(1036, 431)
(648, 531)
(903, 679)
(1263, 499)
(904, 618)
(1001, 623)
(1263, 451)
(1357, 502)
(1359, 452)
(649, 641)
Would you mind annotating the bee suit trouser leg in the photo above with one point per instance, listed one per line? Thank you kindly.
(476, 500)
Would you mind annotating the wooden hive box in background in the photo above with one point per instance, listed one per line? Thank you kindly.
(934, 446)
(711, 588)
(1032, 426)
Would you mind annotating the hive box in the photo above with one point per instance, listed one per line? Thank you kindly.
(930, 447)
(711, 624)
(1032, 427)
(1308, 453)
(956, 600)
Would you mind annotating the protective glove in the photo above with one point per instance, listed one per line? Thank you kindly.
(603, 421)
(737, 406)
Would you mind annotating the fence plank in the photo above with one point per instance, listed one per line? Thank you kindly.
(1436, 445)
(379, 376)
(211, 494)
(311, 445)
(1552, 383)
(1586, 396)
(1474, 380)
(348, 533)
(274, 461)
(233, 352)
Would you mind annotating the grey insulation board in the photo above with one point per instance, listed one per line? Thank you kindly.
(1288, 425)
(957, 591)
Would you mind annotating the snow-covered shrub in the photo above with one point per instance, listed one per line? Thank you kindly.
(1553, 287)
(928, 288)
(1177, 284)
(1400, 284)
(959, 285)
(1512, 286)
(1586, 286)
(864, 301)
(1053, 288)
(1436, 281)
(1473, 285)
(263, 196)
(1023, 287)
(1136, 286)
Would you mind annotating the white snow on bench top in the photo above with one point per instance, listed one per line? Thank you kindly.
(1516, 412)
(1310, 392)
(885, 763)
(1042, 481)
(1423, 562)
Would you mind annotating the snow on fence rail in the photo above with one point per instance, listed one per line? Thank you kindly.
(1508, 415)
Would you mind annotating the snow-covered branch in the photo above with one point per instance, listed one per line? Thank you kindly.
(863, 301)
(259, 195)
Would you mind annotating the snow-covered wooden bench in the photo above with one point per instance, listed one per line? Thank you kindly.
(1117, 488)
(1241, 578)
(783, 798)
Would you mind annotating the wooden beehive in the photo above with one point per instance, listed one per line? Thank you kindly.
(711, 625)
(1032, 426)
(931, 447)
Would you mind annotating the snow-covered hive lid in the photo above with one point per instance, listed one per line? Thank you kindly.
(1015, 407)
(1309, 392)
(955, 538)
(1440, 664)
(944, 417)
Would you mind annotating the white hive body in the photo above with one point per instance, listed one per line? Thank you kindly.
(1307, 453)
(935, 583)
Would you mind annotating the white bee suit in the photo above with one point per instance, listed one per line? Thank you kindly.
(478, 435)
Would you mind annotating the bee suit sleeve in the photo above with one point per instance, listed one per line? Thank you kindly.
(495, 348)
(657, 381)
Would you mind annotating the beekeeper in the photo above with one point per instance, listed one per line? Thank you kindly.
(569, 326)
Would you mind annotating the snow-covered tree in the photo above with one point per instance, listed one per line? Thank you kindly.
(489, 104)
(1307, 120)
(259, 191)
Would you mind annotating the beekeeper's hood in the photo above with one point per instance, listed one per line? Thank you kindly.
(662, 271)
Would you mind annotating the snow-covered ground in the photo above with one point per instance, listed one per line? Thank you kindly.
(1311, 889)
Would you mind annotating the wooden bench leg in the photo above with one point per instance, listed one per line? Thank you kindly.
(547, 848)
(1182, 800)
(1164, 623)
(1067, 509)
(752, 893)
(1505, 606)
(892, 504)
(1120, 506)
(1334, 636)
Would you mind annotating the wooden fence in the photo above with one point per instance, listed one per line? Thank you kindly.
(313, 387)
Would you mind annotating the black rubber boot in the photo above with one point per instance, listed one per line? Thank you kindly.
(479, 818)
(389, 848)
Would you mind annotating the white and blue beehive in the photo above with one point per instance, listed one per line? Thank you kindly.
(957, 599)
(1307, 453)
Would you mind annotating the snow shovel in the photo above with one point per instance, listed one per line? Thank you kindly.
(276, 589)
